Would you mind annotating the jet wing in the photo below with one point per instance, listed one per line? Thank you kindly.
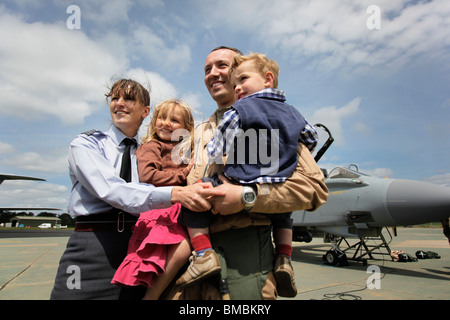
(27, 209)
(4, 177)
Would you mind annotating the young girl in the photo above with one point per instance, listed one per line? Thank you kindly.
(159, 246)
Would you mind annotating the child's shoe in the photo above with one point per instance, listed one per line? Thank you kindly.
(284, 275)
(200, 268)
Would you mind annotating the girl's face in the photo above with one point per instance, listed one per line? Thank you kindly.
(169, 121)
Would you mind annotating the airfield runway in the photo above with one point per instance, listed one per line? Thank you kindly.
(28, 267)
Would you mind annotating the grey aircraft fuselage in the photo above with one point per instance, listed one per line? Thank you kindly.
(360, 205)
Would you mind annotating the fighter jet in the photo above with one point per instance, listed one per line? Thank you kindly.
(360, 206)
(4, 177)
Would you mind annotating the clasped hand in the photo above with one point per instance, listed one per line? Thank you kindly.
(224, 199)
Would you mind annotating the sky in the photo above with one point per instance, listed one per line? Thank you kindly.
(376, 73)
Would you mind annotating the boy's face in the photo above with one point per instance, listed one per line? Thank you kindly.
(247, 80)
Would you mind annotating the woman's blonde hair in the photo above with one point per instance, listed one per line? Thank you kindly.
(187, 140)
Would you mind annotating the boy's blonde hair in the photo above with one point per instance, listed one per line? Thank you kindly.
(262, 64)
(187, 144)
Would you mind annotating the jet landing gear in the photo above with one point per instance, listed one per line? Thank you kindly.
(335, 256)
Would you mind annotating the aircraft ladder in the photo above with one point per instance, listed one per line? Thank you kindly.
(379, 243)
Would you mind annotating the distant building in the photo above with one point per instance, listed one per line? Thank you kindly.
(33, 221)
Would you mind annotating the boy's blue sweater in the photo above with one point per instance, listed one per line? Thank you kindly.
(252, 155)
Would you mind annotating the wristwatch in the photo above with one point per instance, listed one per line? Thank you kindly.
(248, 197)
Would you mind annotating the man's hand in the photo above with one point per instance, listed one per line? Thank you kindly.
(195, 197)
(231, 202)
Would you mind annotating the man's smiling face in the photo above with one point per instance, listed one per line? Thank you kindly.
(217, 82)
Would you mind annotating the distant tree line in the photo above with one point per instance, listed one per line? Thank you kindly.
(66, 219)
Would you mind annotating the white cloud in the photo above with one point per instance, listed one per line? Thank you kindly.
(49, 70)
(160, 88)
(37, 162)
(145, 43)
(33, 194)
(361, 128)
(194, 101)
(335, 33)
(332, 117)
(106, 12)
(380, 172)
(6, 148)
(111, 12)
(442, 179)
(159, 40)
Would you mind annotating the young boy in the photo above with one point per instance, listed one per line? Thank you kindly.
(260, 112)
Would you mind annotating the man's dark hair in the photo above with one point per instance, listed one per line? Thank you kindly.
(229, 48)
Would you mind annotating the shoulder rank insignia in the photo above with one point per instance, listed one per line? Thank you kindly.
(89, 132)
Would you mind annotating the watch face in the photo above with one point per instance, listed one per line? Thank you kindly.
(249, 197)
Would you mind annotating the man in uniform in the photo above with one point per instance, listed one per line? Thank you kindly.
(240, 236)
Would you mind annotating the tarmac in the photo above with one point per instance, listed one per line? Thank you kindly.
(28, 264)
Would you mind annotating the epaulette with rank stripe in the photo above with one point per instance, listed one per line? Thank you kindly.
(89, 132)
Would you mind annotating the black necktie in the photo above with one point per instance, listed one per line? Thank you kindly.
(125, 169)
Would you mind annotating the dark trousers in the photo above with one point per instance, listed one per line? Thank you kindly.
(88, 265)
(192, 219)
(246, 257)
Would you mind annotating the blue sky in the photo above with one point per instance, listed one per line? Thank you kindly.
(383, 92)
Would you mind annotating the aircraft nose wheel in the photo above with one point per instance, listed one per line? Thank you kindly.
(335, 257)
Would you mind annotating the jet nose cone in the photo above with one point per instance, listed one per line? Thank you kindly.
(415, 202)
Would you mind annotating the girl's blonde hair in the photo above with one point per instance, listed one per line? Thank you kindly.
(187, 141)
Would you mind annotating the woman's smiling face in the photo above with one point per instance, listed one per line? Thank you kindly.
(127, 114)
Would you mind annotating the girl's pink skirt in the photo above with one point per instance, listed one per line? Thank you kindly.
(147, 249)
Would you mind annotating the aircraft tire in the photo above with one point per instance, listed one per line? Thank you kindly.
(331, 258)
